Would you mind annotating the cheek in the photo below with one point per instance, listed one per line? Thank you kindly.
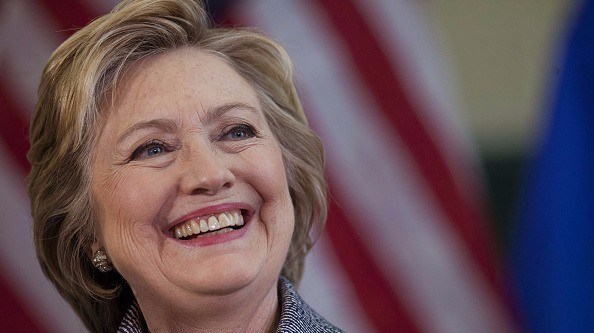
(269, 180)
(128, 204)
(118, 196)
(130, 192)
(270, 176)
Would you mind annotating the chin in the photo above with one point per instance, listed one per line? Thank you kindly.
(228, 277)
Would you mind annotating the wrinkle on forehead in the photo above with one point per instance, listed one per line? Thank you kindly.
(143, 79)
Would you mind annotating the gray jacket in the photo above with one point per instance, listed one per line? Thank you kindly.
(296, 315)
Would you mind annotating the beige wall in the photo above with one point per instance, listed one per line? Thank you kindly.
(501, 55)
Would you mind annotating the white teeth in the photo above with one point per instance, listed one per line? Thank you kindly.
(223, 220)
(195, 227)
(203, 226)
(217, 224)
(213, 223)
(230, 218)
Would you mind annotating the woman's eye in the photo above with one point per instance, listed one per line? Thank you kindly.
(154, 151)
(150, 149)
(240, 132)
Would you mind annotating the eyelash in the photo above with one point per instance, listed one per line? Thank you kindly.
(148, 145)
(249, 130)
(144, 148)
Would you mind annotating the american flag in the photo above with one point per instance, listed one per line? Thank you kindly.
(407, 246)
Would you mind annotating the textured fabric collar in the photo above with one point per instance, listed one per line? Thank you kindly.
(296, 315)
(132, 321)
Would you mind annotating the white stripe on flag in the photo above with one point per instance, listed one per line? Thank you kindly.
(379, 186)
(28, 37)
(426, 78)
(23, 63)
(325, 282)
(425, 260)
(18, 254)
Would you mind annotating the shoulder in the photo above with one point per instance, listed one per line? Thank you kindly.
(296, 315)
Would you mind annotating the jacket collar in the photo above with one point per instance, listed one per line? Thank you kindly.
(296, 315)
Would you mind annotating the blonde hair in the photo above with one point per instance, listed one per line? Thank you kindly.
(77, 84)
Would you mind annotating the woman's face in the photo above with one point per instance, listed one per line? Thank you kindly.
(185, 152)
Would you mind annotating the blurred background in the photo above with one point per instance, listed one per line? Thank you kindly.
(459, 141)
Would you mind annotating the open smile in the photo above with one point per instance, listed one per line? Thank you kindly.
(210, 224)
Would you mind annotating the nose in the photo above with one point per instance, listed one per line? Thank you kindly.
(206, 172)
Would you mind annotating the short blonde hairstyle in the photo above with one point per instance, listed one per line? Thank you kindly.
(76, 88)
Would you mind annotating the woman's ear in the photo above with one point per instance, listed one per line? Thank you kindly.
(93, 248)
(96, 246)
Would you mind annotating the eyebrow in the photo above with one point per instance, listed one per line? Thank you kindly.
(216, 112)
(166, 125)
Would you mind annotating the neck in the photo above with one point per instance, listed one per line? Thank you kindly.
(240, 312)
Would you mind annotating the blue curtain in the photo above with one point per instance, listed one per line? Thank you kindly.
(554, 250)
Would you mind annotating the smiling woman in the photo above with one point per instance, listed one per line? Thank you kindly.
(175, 184)
(191, 162)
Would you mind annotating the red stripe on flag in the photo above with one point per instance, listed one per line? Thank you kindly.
(16, 317)
(378, 74)
(383, 307)
(71, 15)
(13, 127)
(13, 135)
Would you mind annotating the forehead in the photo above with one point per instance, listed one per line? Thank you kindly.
(186, 79)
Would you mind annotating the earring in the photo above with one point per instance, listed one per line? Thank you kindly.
(100, 262)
